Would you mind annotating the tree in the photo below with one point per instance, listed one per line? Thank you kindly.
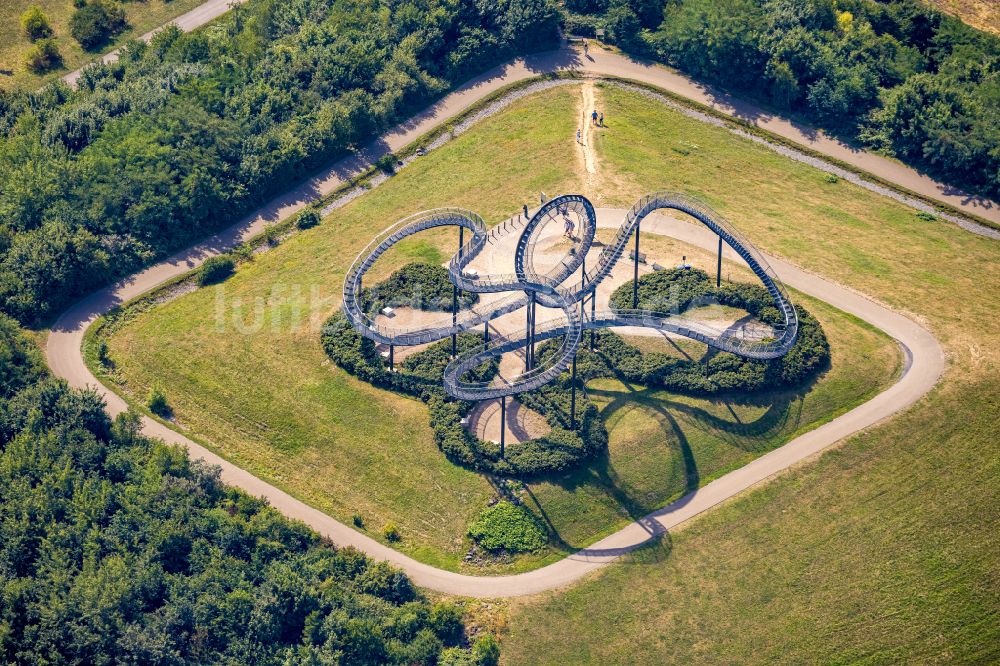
(622, 25)
(43, 56)
(94, 23)
(308, 219)
(216, 269)
(783, 86)
(35, 23)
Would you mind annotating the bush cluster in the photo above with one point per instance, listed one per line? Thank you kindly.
(416, 285)
(676, 290)
(509, 527)
(43, 56)
(35, 23)
(308, 219)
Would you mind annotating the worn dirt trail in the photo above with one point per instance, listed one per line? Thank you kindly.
(587, 106)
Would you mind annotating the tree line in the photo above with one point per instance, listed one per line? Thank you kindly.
(186, 134)
(895, 75)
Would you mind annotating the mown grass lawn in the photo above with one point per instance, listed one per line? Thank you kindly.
(885, 550)
(142, 16)
(264, 395)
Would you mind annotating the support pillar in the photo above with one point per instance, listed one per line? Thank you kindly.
(572, 397)
(635, 278)
(454, 296)
(392, 349)
(527, 334)
(486, 331)
(718, 265)
(534, 316)
(593, 316)
(503, 424)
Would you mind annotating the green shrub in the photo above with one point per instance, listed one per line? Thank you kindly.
(35, 23)
(678, 289)
(831, 178)
(391, 533)
(507, 526)
(386, 164)
(43, 56)
(94, 23)
(484, 652)
(102, 352)
(358, 521)
(580, 26)
(271, 237)
(216, 269)
(446, 621)
(925, 216)
(422, 286)
(308, 219)
(386, 581)
(242, 252)
(157, 402)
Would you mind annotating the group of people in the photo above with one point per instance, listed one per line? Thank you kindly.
(597, 119)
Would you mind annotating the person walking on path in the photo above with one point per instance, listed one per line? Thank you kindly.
(601, 120)
(586, 48)
(578, 135)
(593, 116)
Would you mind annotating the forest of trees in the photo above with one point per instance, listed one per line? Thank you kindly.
(892, 75)
(187, 133)
(115, 549)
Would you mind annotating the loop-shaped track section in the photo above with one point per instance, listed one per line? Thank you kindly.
(549, 289)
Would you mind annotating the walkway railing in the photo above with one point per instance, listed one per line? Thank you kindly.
(529, 287)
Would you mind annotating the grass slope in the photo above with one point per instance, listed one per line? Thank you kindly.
(142, 16)
(268, 399)
(883, 551)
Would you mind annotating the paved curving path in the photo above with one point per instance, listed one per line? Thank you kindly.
(187, 22)
(925, 359)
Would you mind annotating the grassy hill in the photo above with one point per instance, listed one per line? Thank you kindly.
(263, 394)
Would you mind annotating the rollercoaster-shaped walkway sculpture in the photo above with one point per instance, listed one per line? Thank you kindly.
(555, 288)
